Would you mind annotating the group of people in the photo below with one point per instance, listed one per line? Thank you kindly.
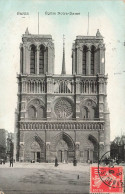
(3, 161)
(74, 162)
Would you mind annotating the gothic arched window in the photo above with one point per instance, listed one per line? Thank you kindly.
(41, 60)
(90, 110)
(32, 112)
(84, 60)
(32, 59)
(92, 59)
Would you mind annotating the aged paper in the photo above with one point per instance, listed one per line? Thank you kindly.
(62, 93)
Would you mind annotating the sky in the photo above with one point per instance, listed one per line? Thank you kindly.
(107, 16)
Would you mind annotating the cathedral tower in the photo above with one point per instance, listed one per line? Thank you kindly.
(88, 66)
(63, 116)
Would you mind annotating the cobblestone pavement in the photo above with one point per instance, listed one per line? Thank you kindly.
(45, 178)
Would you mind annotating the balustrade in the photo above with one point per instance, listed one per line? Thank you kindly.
(35, 86)
(89, 87)
(63, 86)
(62, 125)
(60, 86)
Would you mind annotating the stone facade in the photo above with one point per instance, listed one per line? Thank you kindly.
(2, 143)
(63, 116)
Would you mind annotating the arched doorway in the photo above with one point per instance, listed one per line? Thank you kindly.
(35, 152)
(93, 154)
(63, 147)
(34, 149)
(62, 151)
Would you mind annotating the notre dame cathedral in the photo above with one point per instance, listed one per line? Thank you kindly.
(63, 116)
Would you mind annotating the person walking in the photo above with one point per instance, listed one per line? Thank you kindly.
(56, 162)
(11, 162)
(74, 162)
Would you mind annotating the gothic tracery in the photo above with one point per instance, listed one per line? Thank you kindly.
(63, 108)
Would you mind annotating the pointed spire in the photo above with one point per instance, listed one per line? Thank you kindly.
(27, 31)
(63, 60)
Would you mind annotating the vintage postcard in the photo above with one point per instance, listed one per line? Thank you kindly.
(62, 86)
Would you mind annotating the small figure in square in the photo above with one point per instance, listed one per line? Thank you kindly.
(56, 162)
(11, 162)
(74, 162)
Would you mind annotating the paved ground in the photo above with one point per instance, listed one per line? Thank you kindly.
(43, 178)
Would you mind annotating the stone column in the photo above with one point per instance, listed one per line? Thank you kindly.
(47, 151)
(73, 61)
(24, 59)
(27, 60)
(79, 60)
(101, 149)
(77, 86)
(37, 64)
(102, 59)
(49, 67)
(16, 137)
(101, 99)
(77, 151)
(77, 98)
(88, 61)
(21, 58)
(80, 50)
(50, 58)
(21, 151)
(107, 123)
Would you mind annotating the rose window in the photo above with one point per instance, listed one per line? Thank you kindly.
(63, 109)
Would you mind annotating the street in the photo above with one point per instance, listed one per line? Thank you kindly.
(40, 178)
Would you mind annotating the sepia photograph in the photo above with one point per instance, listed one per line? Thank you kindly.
(62, 96)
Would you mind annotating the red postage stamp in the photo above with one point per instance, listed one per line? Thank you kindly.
(106, 179)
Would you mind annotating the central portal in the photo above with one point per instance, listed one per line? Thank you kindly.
(37, 152)
(63, 147)
(62, 151)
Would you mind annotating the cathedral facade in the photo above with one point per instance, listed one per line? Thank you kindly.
(63, 116)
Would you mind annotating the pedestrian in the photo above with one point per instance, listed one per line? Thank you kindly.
(106, 161)
(11, 162)
(75, 162)
(56, 162)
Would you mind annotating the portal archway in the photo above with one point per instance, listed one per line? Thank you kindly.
(63, 146)
(94, 153)
(62, 151)
(35, 149)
